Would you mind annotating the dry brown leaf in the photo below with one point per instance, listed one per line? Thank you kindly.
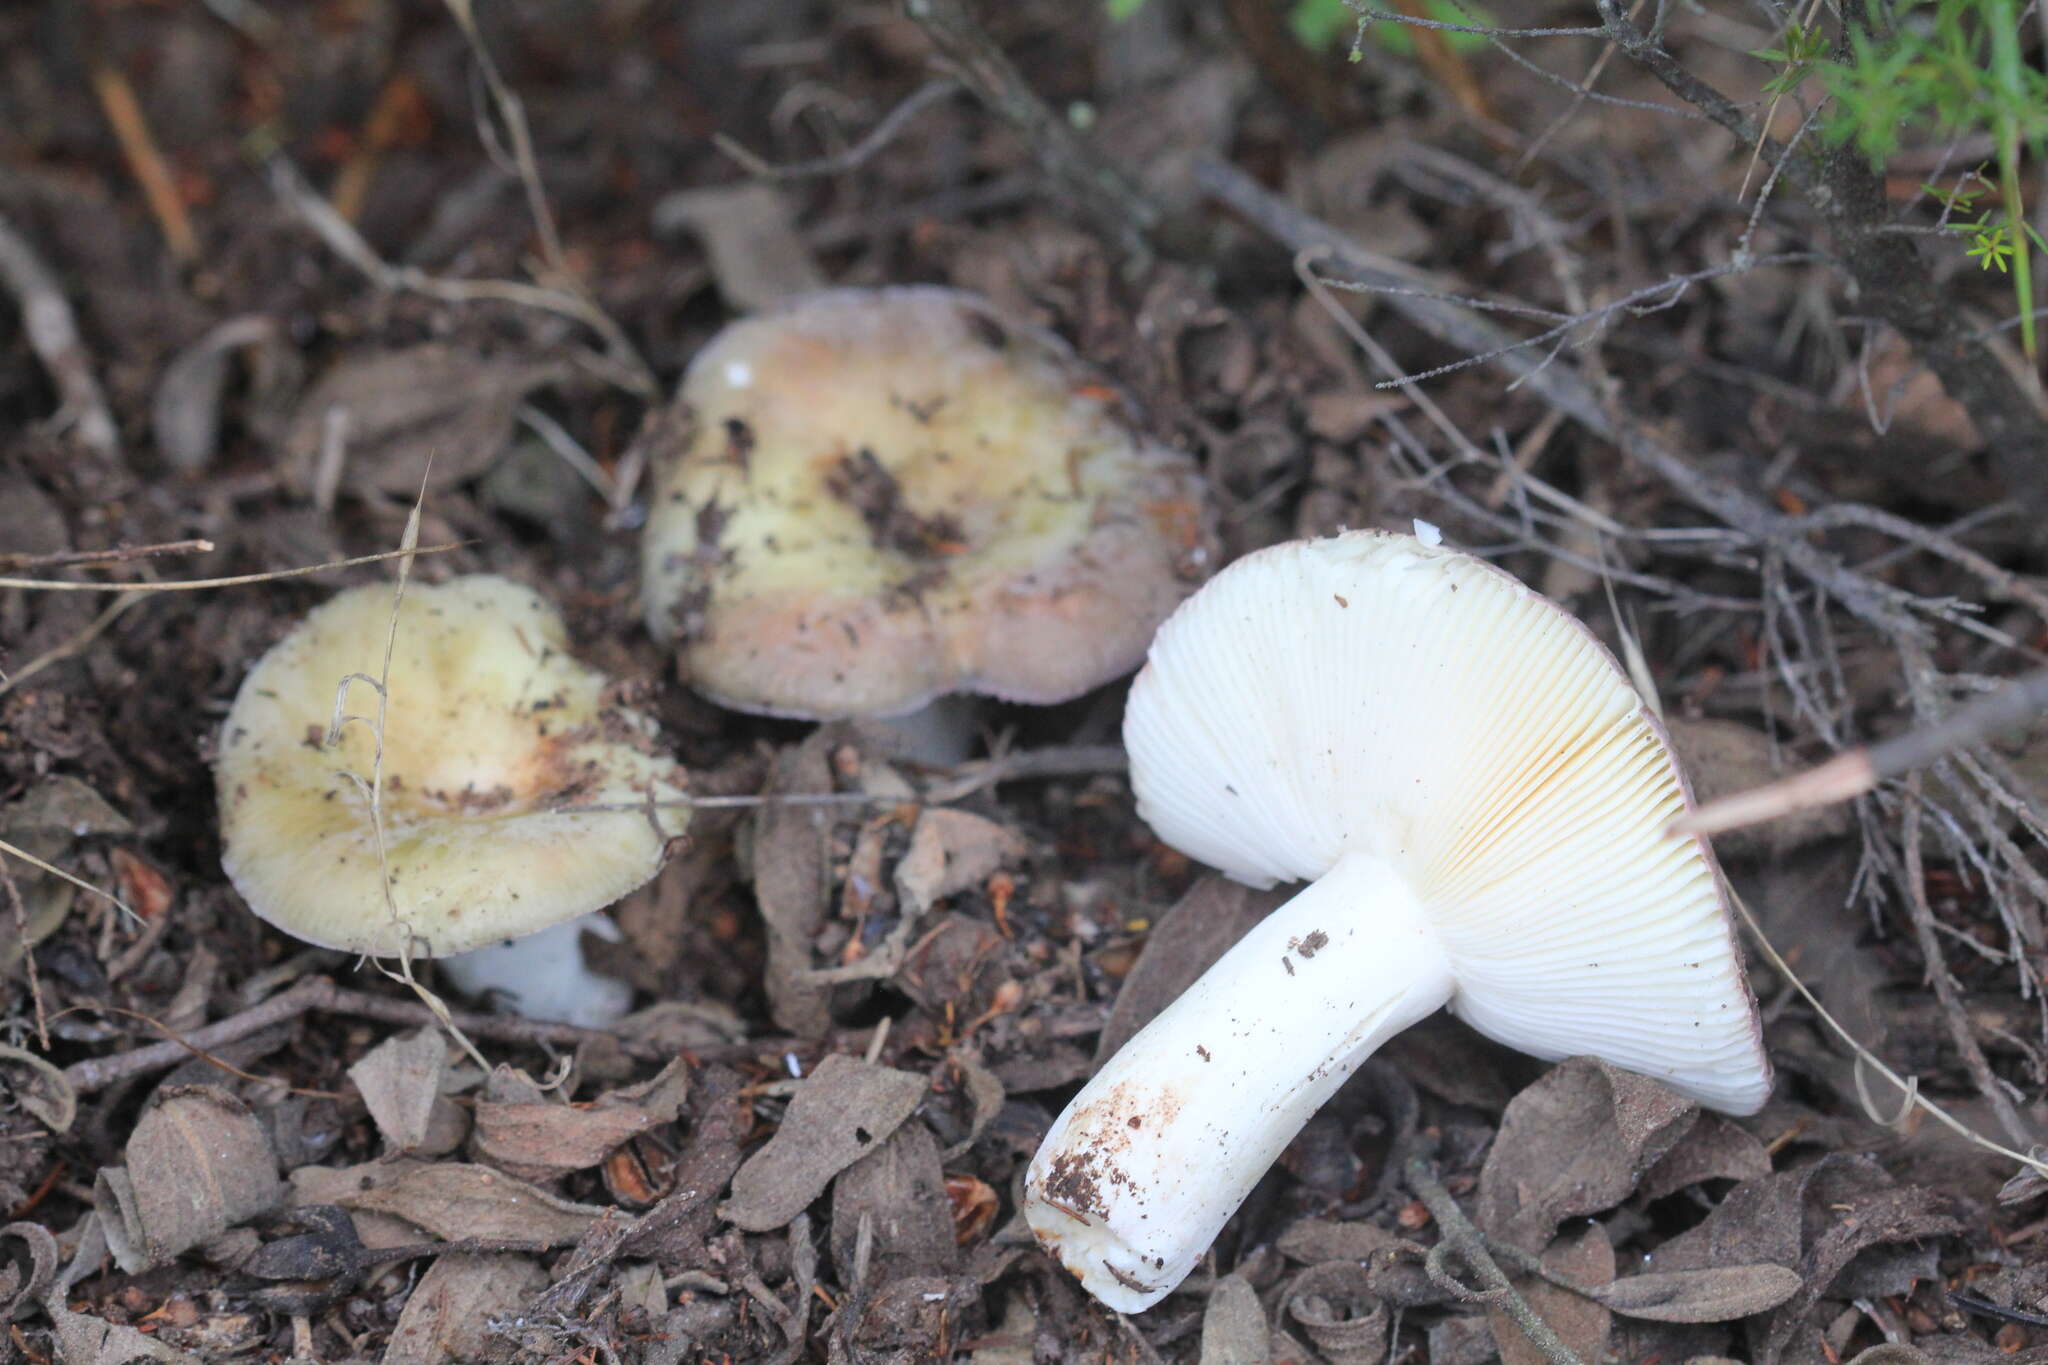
(453, 1200)
(792, 882)
(86, 1340)
(404, 411)
(1711, 1294)
(448, 1315)
(1312, 1241)
(1575, 1142)
(835, 1118)
(1717, 1148)
(399, 1081)
(1234, 1325)
(1582, 1324)
(900, 1190)
(38, 1087)
(1335, 1304)
(27, 1270)
(756, 255)
(198, 1164)
(538, 1139)
(951, 851)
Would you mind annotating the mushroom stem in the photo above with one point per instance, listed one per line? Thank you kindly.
(544, 975)
(1143, 1169)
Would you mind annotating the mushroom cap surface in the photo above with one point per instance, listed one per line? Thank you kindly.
(490, 725)
(1371, 693)
(886, 495)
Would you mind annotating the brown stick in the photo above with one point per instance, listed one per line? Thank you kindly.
(52, 330)
(316, 993)
(1952, 1010)
(1856, 771)
(120, 554)
(131, 129)
(1102, 192)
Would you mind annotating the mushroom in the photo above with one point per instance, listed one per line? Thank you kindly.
(1479, 800)
(492, 732)
(884, 496)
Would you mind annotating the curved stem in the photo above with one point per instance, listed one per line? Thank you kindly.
(1150, 1160)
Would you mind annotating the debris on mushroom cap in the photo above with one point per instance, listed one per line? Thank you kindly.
(491, 727)
(1370, 692)
(886, 495)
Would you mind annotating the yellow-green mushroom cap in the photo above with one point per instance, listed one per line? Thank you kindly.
(492, 730)
(885, 495)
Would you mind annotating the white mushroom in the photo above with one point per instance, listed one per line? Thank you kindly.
(492, 732)
(1479, 799)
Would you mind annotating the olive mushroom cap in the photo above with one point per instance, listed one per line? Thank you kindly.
(885, 495)
(1481, 802)
(491, 728)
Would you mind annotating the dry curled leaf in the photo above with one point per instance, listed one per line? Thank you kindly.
(199, 1163)
(1336, 1305)
(757, 256)
(26, 1275)
(399, 1081)
(454, 1200)
(540, 1139)
(448, 1315)
(1710, 1294)
(38, 1087)
(792, 882)
(1575, 1142)
(1581, 1322)
(950, 851)
(1234, 1325)
(398, 413)
(86, 1340)
(899, 1190)
(835, 1118)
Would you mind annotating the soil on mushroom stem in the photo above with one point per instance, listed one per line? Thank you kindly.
(999, 939)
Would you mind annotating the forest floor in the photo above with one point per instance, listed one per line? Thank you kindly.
(222, 222)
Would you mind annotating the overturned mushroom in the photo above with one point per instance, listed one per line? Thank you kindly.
(1480, 801)
(889, 495)
(496, 745)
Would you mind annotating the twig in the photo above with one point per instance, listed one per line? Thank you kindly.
(232, 581)
(316, 994)
(131, 129)
(1856, 771)
(1102, 192)
(1908, 1088)
(1463, 1239)
(1077, 760)
(28, 953)
(52, 330)
(77, 644)
(513, 112)
(854, 157)
(343, 240)
(120, 554)
(1953, 1013)
(1895, 283)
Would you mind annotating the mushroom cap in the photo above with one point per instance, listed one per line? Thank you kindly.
(1371, 693)
(490, 726)
(885, 495)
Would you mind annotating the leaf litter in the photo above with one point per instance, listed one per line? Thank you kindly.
(696, 1186)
